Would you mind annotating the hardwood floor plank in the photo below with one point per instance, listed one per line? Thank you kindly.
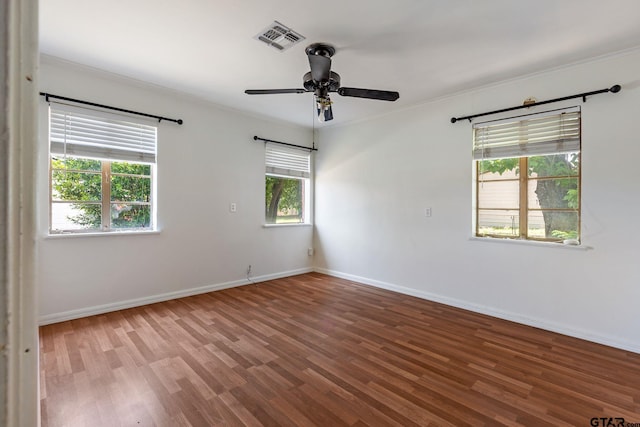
(360, 390)
(286, 406)
(313, 350)
(257, 405)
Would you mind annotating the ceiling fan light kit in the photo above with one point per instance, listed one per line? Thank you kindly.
(322, 81)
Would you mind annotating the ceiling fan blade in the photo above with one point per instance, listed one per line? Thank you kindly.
(320, 67)
(272, 91)
(383, 95)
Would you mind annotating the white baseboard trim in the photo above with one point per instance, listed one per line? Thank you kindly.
(137, 302)
(490, 311)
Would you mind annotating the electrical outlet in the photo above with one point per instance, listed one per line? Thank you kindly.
(427, 212)
(310, 251)
(233, 208)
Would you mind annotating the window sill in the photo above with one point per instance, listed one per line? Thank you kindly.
(286, 225)
(110, 233)
(530, 243)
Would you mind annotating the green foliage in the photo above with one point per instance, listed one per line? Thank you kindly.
(130, 216)
(130, 168)
(80, 180)
(283, 195)
(563, 235)
(79, 164)
(500, 166)
(555, 165)
(572, 198)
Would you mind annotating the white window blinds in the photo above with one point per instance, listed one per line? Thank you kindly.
(82, 132)
(532, 135)
(286, 161)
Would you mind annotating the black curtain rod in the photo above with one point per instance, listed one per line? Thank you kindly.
(612, 89)
(257, 138)
(93, 104)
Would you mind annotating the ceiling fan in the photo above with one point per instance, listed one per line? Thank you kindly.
(322, 81)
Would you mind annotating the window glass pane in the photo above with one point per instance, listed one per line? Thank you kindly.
(498, 223)
(284, 200)
(553, 225)
(553, 193)
(130, 189)
(61, 162)
(76, 186)
(499, 169)
(130, 168)
(130, 216)
(499, 194)
(555, 165)
(75, 216)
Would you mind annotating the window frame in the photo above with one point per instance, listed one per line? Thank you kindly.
(105, 202)
(279, 169)
(97, 147)
(524, 181)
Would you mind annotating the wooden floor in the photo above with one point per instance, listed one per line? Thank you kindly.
(316, 350)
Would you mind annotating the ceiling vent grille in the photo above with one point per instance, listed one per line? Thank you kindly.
(279, 36)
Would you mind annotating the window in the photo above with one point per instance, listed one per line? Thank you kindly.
(102, 169)
(527, 173)
(287, 185)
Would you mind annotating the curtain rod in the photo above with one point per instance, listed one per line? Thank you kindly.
(93, 104)
(257, 138)
(612, 89)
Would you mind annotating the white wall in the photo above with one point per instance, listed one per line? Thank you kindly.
(375, 178)
(203, 166)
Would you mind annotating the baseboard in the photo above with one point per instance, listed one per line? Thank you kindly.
(137, 302)
(490, 311)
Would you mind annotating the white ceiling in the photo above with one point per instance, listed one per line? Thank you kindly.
(423, 49)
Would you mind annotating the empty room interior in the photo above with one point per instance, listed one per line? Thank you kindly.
(333, 213)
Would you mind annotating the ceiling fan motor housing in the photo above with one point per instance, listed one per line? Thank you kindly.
(311, 85)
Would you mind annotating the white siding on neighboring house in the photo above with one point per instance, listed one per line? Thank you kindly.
(507, 195)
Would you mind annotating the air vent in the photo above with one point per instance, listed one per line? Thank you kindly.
(279, 36)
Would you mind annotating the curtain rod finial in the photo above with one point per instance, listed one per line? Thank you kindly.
(615, 88)
(453, 120)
